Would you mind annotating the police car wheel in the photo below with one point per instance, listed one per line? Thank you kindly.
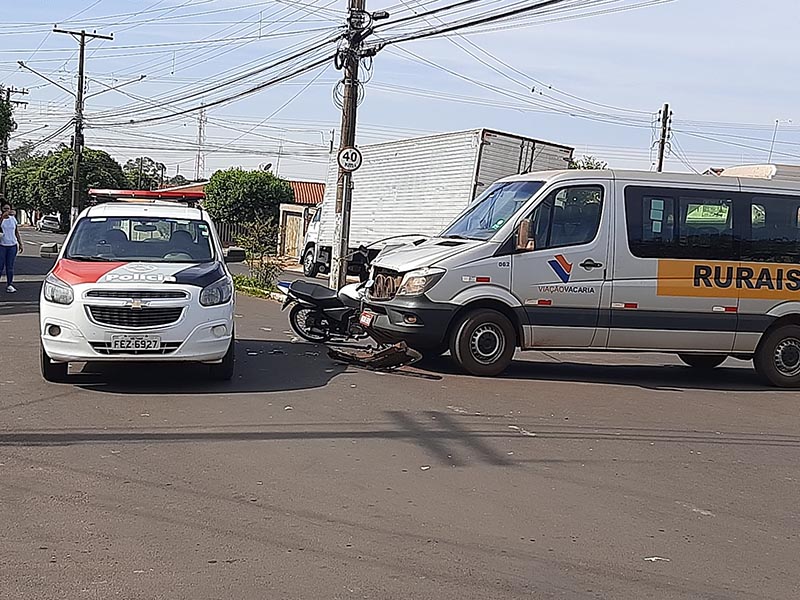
(777, 358)
(53, 372)
(223, 371)
(310, 268)
(483, 342)
(703, 361)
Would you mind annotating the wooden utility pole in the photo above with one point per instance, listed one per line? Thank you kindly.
(77, 139)
(666, 119)
(6, 138)
(350, 60)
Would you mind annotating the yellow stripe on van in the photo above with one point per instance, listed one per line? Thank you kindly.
(720, 279)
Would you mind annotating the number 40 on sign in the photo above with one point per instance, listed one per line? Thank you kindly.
(350, 159)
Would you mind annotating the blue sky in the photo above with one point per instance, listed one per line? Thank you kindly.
(727, 68)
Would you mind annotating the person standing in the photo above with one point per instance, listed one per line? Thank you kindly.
(10, 244)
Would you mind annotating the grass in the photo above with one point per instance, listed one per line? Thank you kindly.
(251, 286)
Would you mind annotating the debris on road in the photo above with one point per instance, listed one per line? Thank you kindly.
(522, 431)
(288, 407)
(425, 467)
(656, 559)
(383, 359)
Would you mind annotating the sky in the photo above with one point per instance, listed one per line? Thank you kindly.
(727, 69)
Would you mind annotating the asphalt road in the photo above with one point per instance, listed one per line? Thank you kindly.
(574, 476)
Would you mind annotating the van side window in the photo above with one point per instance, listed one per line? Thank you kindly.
(676, 223)
(774, 230)
(567, 217)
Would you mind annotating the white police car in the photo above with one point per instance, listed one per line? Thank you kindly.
(141, 280)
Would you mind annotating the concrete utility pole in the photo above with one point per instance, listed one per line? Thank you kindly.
(139, 183)
(200, 159)
(666, 119)
(5, 140)
(77, 139)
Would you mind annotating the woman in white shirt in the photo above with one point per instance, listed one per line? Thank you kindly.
(10, 244)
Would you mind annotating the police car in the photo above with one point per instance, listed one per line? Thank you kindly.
(141, 276)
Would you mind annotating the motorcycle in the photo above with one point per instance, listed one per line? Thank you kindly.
(319, 314)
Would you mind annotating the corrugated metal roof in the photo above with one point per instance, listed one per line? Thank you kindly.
(309, 193)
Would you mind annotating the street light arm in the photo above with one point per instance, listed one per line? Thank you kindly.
(45, 77)
(112, 88)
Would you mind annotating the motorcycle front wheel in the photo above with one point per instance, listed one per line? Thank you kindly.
(302, 319)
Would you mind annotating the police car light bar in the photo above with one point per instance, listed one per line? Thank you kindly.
(190, 198)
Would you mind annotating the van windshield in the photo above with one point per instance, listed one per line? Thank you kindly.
(492, 210)
(147, 239)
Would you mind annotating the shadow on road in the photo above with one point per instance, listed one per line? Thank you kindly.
(261, 366)
(29, 272)
(665, 377)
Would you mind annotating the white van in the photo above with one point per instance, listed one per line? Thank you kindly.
(141, 280)
(605, 260)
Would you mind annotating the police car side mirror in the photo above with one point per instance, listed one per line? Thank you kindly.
(48, 250)
(234, 255)
(524, 242)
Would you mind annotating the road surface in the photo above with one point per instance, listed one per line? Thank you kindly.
(574, 476)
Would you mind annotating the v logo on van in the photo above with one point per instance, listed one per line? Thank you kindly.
(562, 267)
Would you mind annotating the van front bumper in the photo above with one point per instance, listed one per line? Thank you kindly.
(417, 321)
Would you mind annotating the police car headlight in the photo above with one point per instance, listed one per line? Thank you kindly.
(416, 283)
(56, 291)
(217, 293)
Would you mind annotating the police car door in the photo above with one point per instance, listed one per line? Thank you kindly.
(673, 278)
(559, 277)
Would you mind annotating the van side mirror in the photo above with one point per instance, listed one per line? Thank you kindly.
(524, 241)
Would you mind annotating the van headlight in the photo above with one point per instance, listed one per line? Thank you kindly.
(217, 293)
(56, 291)
(416, 283)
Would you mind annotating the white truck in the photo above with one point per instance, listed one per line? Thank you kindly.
(415, 187)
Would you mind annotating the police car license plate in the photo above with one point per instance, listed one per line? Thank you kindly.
(135, 342)
(366, 318)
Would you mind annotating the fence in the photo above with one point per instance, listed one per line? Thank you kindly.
(229, 232)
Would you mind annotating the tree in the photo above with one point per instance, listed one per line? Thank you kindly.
(151, 172)
(54, 179)
(22, 183)
(239, 196)
(587, 162)
(23, 152)
(178, 180)
(6, 116)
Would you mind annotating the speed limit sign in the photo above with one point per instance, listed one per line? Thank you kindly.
(350, 159)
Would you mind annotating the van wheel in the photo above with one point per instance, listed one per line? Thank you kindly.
(483, 342)
(53, 372)
(223, 371)
(705, 362)
(777, 358)
(310, 267)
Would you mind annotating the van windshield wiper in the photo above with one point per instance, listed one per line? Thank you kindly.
(86, 258)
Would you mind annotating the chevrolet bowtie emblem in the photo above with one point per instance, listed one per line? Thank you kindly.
(136, 304)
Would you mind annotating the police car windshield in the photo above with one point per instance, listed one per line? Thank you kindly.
(141, 239)
(492, 210)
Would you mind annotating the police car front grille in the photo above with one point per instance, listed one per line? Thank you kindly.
(105, 348)
(137, 294)
(386, 284)
(123, 316)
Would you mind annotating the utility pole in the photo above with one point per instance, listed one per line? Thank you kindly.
(77, 139)
(200, 159)
(4, 142)
(666, 119)
(139, 183)
(349, 61)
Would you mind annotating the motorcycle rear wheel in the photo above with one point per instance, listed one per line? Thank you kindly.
(298, 317)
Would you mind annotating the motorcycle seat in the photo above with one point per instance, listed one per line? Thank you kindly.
(315, 293)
